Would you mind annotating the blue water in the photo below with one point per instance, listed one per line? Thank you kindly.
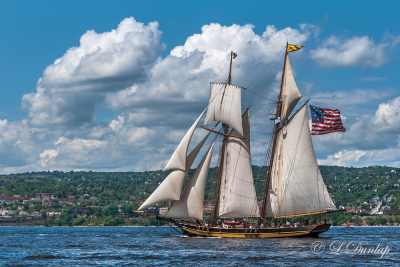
(149, 246)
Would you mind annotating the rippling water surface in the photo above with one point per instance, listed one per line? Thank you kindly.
(123, 246)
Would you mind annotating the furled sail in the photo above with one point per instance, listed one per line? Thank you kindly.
(225, 106)
(290, 93)
(171, 187)
(238, 195)
(178, 159)
(296, 185)
(190, 204)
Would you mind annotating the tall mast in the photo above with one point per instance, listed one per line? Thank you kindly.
(230, 70)
(277, 125)
(222, 157)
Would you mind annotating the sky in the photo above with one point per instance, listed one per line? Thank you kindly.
(114, 86)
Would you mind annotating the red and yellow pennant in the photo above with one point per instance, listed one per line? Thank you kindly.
(234, 55)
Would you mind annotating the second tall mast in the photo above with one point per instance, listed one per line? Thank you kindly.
(277, 125)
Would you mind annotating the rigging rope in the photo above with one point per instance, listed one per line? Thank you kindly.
(288, 173)
(228, 187)
(175, 228)
(186, 182)
(247, 91)
(266, 67)
(266, 158)
(262, 104)
(205, 95)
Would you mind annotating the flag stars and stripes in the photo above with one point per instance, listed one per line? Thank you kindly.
(325, 121)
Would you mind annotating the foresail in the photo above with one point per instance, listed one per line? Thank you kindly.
(238, 195)
(171, 187)
(168, 190)
(190, 203)
(290, 93)
(296, 185)
(178, 159)
(225, 106)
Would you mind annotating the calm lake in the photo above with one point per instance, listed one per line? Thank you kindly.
(149, 246)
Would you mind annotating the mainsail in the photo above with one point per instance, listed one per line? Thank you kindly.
(238, 195)
(296, 185)
(178, 159)
(171, 187)
(190, 203)
(290, 93)
(225, 106)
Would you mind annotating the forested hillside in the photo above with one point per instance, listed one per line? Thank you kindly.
(348, 186)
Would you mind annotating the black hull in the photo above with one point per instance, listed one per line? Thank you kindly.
(306, 231)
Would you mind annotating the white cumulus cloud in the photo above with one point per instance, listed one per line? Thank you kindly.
(357, 51)
(368, 140)
(157, 99)
(72, 89)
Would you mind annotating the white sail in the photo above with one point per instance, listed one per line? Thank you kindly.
(178, 159)
(225, 106)
(296, 185)
(171, 187)
(168, 190)
(290, 93)
(238, 195)
(190, 204)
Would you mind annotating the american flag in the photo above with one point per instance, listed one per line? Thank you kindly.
(325, 121)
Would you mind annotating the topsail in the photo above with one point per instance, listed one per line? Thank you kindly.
(290, 93)
(225, 106)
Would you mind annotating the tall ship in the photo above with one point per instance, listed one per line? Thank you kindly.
(294, 186)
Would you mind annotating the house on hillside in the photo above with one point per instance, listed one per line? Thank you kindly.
(54, 215)
(42, 196)
(5, 212)
(373, 185)
(375, 199)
